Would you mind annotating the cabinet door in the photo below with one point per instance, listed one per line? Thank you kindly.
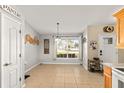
(121, 31)
(120, 28)
(110, 82)
(107, 81)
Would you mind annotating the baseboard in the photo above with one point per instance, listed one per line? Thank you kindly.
(23, 86)
(57, 63)
(32, 67)
(85, 67)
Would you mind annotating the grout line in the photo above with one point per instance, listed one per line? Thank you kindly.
(75, 79)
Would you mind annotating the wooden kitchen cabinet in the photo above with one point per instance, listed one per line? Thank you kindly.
(107, 77)
(120, 28)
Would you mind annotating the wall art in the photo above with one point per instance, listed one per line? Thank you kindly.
(46, 46)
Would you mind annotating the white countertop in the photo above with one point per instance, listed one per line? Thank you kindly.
(116, 74)
(114, 65)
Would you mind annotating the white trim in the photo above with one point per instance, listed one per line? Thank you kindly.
(68, 38)
(67, 59)
(32, 67)
(10, 10)
(58, 63)
(11, 18)
(85, 67)
(23, 86)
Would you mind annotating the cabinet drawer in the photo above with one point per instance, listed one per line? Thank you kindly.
(107, 70)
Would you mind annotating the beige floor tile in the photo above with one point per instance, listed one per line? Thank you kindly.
(63, 76)
(45, 85)
(70, 85)
(58, 85)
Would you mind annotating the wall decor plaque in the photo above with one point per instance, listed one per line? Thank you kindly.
(10, 10)
(31, 40)
(108, 29)
(46, 46)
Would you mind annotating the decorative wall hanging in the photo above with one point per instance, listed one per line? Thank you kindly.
(46, 46)
(29, 39)
(36, 41)
(108, 29)
(93, 45)
(10, 10)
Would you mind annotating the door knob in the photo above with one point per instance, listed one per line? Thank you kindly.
(100, 51)
(6, 64)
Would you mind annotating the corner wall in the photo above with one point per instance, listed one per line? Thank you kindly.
(97, 31)
(85, 49)
(92, 33)
(31, 52)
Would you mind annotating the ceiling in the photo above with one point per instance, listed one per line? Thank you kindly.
(72, 19)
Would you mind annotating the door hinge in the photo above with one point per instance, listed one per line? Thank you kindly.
(20, 79)
(20, 55)
(20, 31)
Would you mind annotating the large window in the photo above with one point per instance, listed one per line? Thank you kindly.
(67, 48)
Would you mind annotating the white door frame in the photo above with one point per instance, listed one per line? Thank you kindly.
(1, 28)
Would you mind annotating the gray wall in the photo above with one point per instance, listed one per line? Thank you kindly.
(31, 52)
(92, 32)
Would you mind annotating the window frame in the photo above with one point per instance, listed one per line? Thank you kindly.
(67, 38)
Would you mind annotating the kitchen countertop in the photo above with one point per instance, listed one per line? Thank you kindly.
(114, 66)
(117, 75)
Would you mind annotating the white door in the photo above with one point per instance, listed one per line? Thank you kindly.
(10, 52)
(108, 52)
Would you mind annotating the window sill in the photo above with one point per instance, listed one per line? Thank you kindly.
(67, 58)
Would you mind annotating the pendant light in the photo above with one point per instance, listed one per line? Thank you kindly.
(58, 33)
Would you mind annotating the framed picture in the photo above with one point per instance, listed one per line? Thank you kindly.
(46, 46)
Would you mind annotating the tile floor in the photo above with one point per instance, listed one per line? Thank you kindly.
(63, 76)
